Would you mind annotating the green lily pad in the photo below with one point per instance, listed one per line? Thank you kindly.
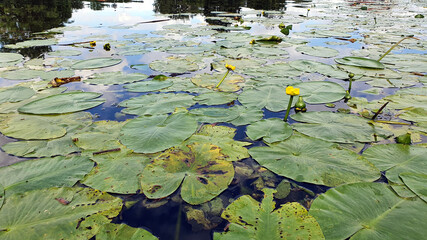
(320, 92)
(154, 104)
(317, 51)
(214, 98)
(105, 177)
(10, 58)
(402, 101)
(278, 69)
(222, 137)
(150, 134)
(360, 62)
(110, 78)
(1, 195)
(44, 173)
(416, 182)
(397, 158)
(200, 169)
(253, 220)
(174, 65)
(271, 97)
(63, 103)
(415, 115)
(270, 130)
(322, 68)
(112, 231)
(368, 211)
(100, 136)
(242, 65)
(214, 114)
(56, 213)
(96, 63)
(231, 83)
(148, 86)
(31, 43)
(21, 74)
(15, 94)
(336, 127)
(372, 72)
(64, 53)
(312, 160)
(246, 115)
(41, 148)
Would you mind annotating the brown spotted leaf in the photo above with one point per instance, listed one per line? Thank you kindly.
(201, 168)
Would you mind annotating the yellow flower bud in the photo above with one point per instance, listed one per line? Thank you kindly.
(92, 43)
(252, 41)
(292, 91)
(230, 67)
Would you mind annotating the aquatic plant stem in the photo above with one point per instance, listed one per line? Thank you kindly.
(392, 47)
(178, 222)
(379, 111)
(228, 70)
(289, 108)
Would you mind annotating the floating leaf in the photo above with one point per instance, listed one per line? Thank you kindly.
(415, 115)
(270, 130)
(150, 134)
(148, 86)
(63, 53)
(232, 82)
(21, 74)
(214, 98)
(96, 63)
(360, 62)
(335, 127)
(41, 148)
(110, 78)
(31, 43)
(1, 195)
(402, 101)
(174, 65)
(320, 92)
(8, 59)
(246, 115)
(397, 158)
(63, 103)
(416, 182)
(200, 168)
(214, 114)
(56, 213)
(44, 173)
(100, 136)
(368, 211)
(252, 220)
(154, 104)
(278, 69)
(112, 231)
(15, 94)
(316, 51)
(312, 160)
(322, 68)
(223, 137)
(106, 177)
(271, 97)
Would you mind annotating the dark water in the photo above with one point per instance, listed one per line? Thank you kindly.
(20, 19)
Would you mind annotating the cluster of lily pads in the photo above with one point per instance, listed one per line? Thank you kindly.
(183, 137)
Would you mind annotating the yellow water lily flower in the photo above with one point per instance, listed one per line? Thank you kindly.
(230, 67)
(252, 41)
(292, 91)
(92, 43)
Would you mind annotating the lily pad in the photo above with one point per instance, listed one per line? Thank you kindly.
(231, 83)
(154, 104)
(8, 59)
(312, 160)
(317, 51)
(368, 211)
(63, 103)
(96, 63)
(250, 219)
(174, 65)
(112, 231)
(360, 62)
(320, 92)
(56, 213)
(322, 68)
(336, 127)
(41, 148)
(214, 98)
(278, 69)
(148, 86)
(16, 94)
(223, 137)
(105, 177)
(416, 182)
(44, 173)
(246, 115)
(271, 97)
(62, 53)
(110, 78)
(395, 159)
(200, 169)
(415, 115)
(31, 43)
(270, 130)
(214, 114)
(21, 74)
(150, 134)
